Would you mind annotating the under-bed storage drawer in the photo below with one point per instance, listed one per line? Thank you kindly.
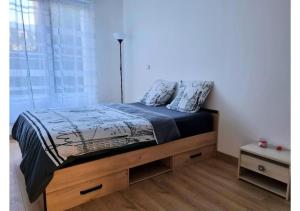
(265, 167)
(193, 155)
(80, 193)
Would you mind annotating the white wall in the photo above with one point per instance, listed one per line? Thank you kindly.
(108, 19)
(243, 45)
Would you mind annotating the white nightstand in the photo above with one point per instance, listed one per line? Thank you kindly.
(266, 168)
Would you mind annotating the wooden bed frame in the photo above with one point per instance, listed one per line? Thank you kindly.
(81, 183)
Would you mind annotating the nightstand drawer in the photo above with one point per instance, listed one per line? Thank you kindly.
(265, 167)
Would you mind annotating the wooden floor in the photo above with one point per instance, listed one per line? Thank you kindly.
(207, 185)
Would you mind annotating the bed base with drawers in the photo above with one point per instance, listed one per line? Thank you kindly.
(84, 182)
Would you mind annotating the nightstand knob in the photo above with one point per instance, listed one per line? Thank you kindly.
(261, 168)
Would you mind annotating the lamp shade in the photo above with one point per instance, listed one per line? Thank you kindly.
(119, 36)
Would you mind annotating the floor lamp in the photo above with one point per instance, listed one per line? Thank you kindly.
(120, 37)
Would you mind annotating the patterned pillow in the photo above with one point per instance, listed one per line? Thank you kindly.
(159, 93)
(191, 96)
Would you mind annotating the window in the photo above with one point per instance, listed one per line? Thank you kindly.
(51, 54)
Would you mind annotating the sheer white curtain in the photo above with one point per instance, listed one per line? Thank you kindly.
(52, 61)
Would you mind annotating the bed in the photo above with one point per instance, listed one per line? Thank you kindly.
(132, 142)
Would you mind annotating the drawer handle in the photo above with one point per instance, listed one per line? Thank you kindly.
(91, 189)
(196, 155)
(261, 168)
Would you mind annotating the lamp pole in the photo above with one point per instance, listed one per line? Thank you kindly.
(121, 71)
(119, 36)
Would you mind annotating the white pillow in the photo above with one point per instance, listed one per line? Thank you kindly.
(159, 93)
(191, 96)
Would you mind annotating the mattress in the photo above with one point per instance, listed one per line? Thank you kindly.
(189, 124)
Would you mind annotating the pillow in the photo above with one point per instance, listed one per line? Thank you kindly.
(191, 96)
(159, 93)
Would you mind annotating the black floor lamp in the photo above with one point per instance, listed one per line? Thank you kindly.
(120, 37)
